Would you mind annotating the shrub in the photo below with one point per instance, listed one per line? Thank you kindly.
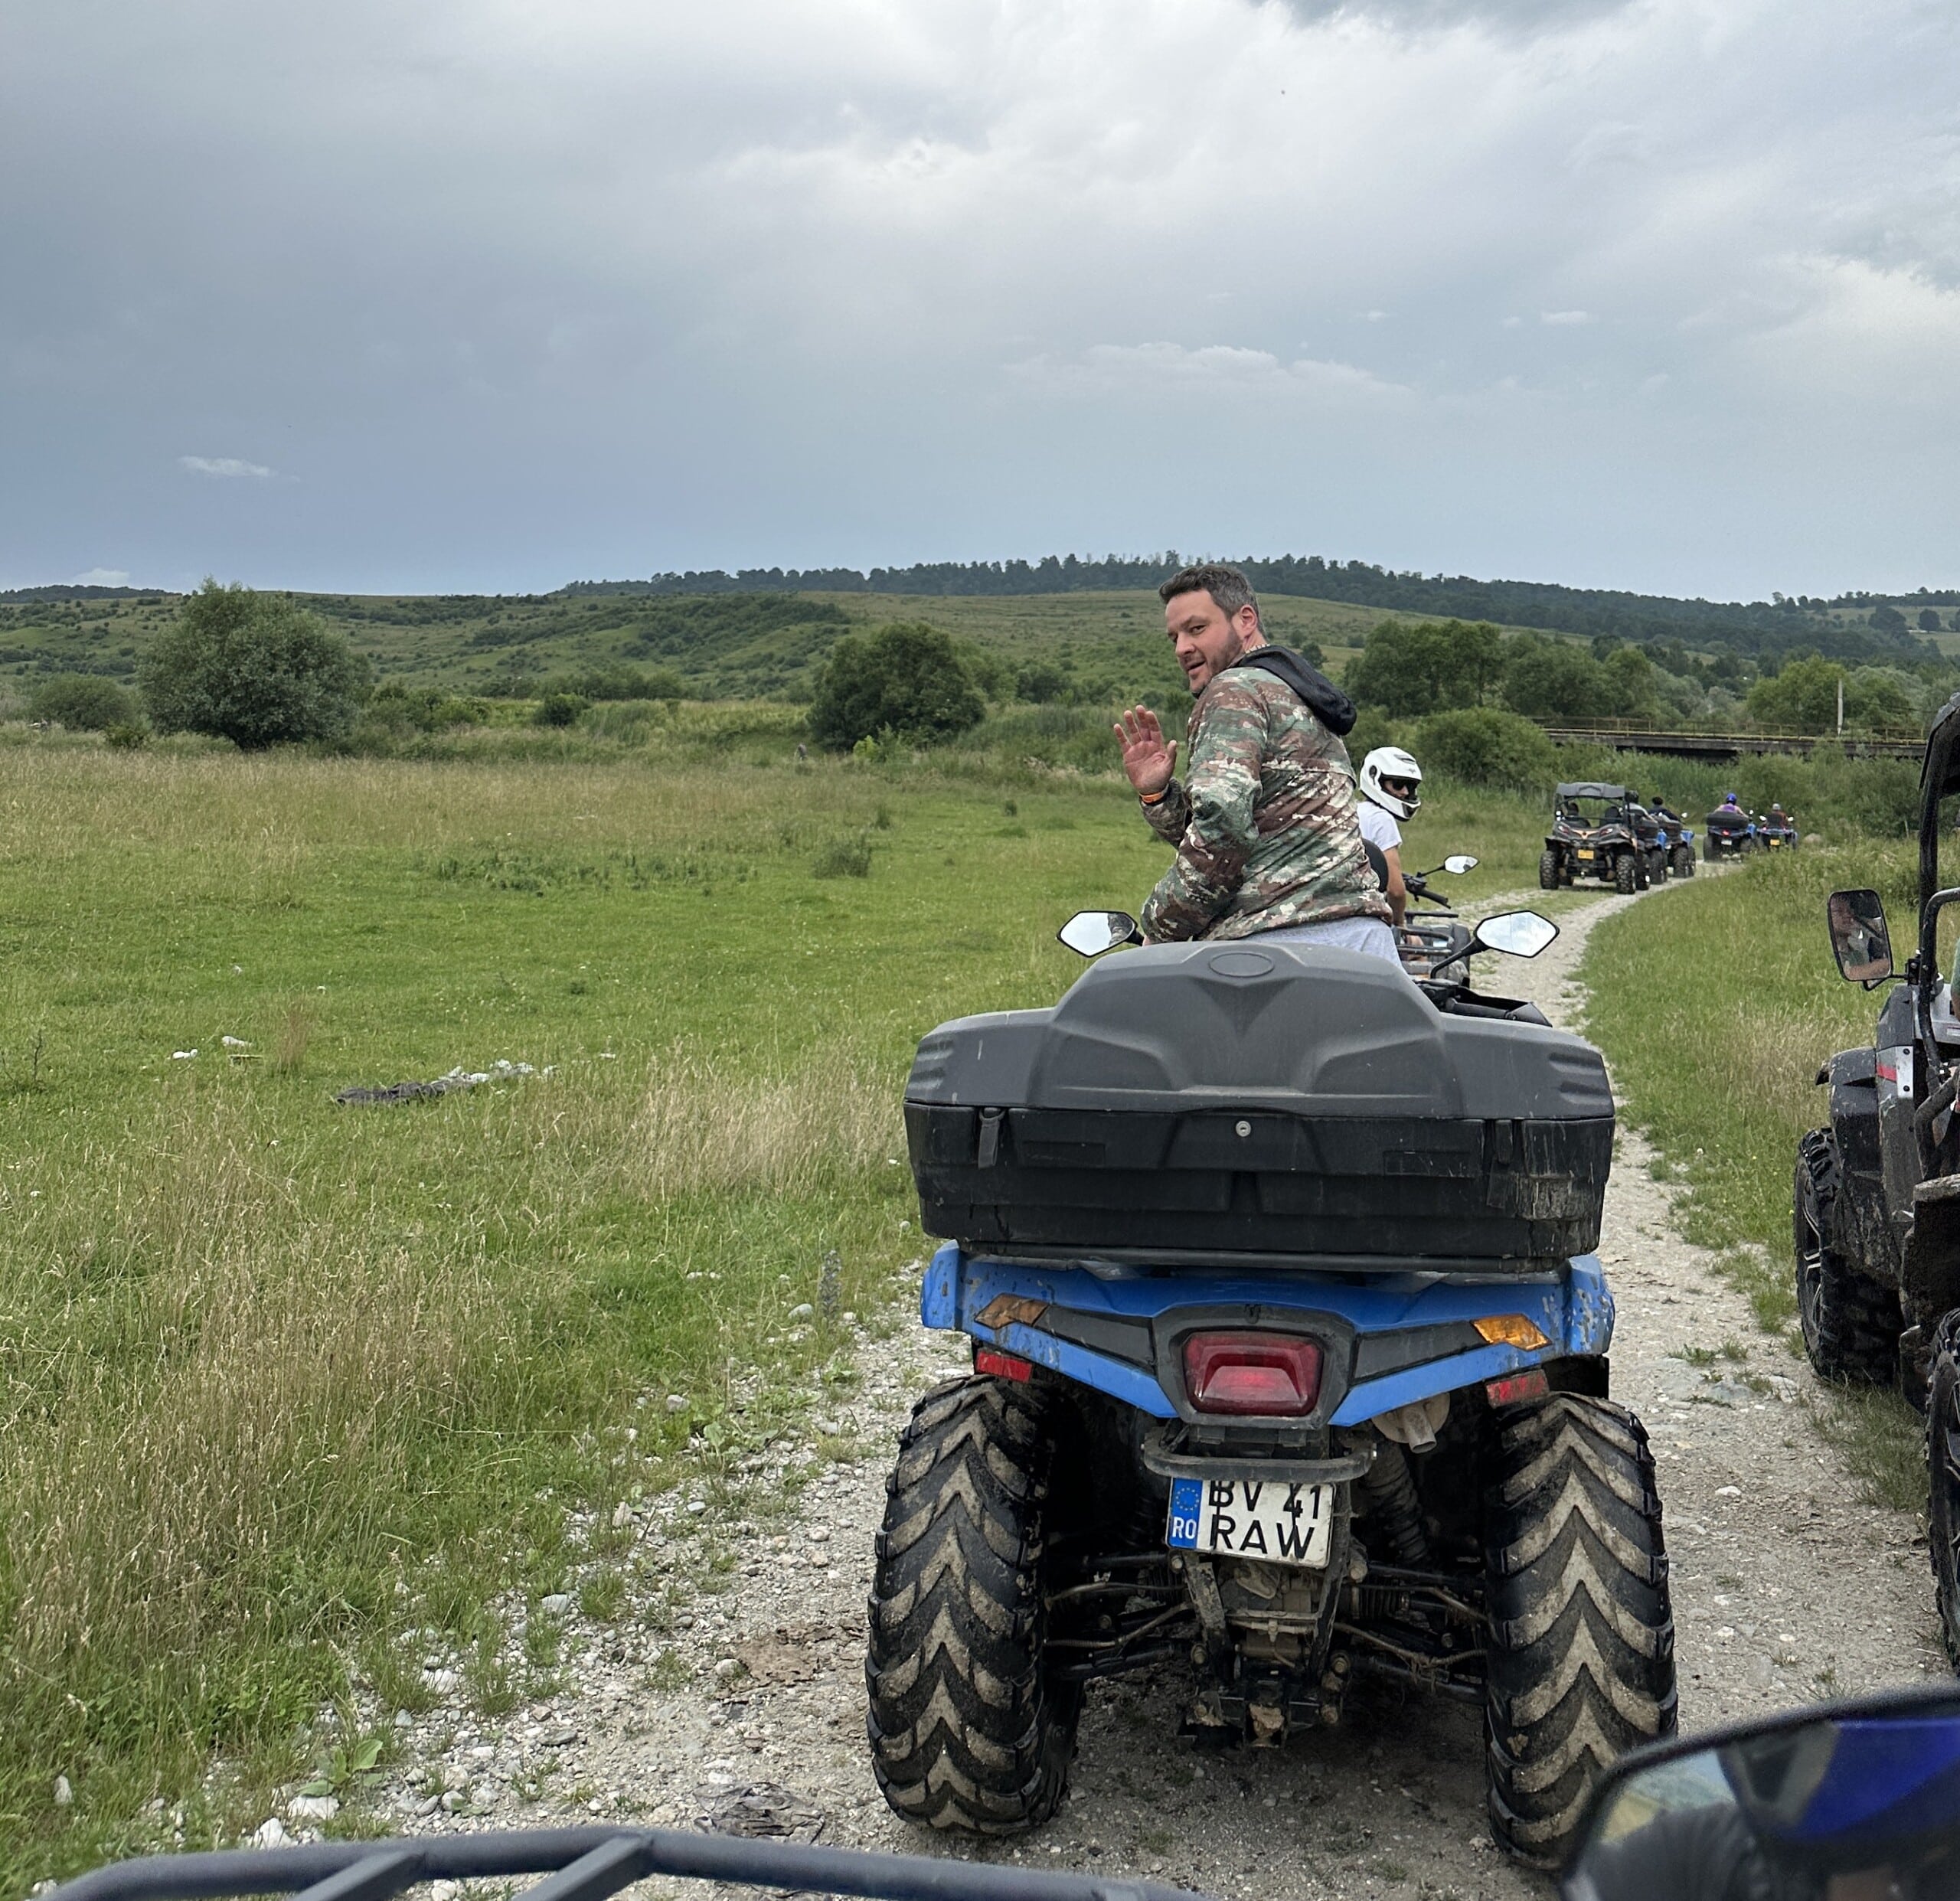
(1040, 684)
(83, 703)
(252, 668)
(1482, 746)
(1406, 670)
(621, 683)
(127, 735)
(1372, 728)
(906, 676)
(559, 709)
(844, 859)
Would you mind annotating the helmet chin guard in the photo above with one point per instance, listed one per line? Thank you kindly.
(1390, 762)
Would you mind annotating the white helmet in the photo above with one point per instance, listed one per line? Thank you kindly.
(1390, 762)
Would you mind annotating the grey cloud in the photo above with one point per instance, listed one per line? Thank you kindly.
(1506, 16)
(604, 288)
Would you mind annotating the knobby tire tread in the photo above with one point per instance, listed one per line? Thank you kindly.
(967, 1730)
(1850, 1323)
(1581, 1662)
(1943, 1482)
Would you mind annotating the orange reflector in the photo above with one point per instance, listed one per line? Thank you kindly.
(1510, 1330)
(1007, 1366)
(1514, 1388)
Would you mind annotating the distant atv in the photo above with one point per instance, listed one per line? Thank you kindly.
(1652, 835)
(1680, 840)
(1877, 1190)
(1593, 836)
(1730, 834)
(1776, 832)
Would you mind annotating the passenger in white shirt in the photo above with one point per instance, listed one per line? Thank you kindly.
(1390, 785)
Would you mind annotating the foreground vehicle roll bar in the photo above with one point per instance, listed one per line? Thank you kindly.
(584, 1864)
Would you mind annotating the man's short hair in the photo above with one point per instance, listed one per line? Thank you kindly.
(1226, 585)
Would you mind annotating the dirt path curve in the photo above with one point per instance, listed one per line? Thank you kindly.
(1785, 1588)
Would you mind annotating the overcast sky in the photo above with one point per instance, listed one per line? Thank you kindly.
(495, 294)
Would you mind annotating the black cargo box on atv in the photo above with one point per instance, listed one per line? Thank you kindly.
(1221, 1102)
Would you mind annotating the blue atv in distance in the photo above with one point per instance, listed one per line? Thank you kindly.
(1290, 1369)
(1730, 833)
(1676, 842)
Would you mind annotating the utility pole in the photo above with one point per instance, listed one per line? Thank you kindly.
(1841, 706)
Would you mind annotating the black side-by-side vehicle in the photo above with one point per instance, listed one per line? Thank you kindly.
(1596, 834)
(1877, 1213)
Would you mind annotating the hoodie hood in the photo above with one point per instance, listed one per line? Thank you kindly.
(1321, 697)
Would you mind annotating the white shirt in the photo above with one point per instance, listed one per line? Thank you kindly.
(1377, 827)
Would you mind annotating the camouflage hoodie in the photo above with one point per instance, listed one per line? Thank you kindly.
(1264, 824)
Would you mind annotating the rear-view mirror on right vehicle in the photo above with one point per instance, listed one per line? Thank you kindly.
(1859, 939)
(1852, 1800)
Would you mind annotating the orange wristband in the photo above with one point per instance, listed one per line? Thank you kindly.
(1145, 799)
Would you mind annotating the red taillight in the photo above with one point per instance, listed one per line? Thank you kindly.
(1514, 1388)
(1002, 1366)
(1271, 1374)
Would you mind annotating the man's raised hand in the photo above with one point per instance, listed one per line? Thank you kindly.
(1148, 760)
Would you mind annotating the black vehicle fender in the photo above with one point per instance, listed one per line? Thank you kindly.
(1589, 1374)
(1859, 1228)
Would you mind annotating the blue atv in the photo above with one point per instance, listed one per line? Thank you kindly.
(1289, 1355)
(1677, 843)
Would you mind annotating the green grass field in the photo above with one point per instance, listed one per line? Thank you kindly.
(286, 1379)
(1716, 1009)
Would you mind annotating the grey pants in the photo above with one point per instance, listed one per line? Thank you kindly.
(1370, 936)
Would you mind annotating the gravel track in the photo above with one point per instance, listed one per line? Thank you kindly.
(1785, 1588)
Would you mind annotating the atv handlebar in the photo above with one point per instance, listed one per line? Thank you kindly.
(585, 1864)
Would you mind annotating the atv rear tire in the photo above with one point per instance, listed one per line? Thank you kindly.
(1683, 861)
(967, 1730)
(1581, 1665)
(1626, 874)
(1851, 1325)
(1943, 1479)
(1548, 871)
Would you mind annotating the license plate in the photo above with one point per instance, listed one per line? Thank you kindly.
(1281, 1523)
(1585, 855)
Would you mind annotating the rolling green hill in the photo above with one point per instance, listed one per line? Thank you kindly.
(1097, 647)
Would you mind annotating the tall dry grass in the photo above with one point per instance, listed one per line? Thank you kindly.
(701, 1126)
(241, 1393)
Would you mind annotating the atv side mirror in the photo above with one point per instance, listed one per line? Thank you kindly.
(1859, 939)
(1460, 863)
(1516, 933)
(1090, 933)
(1834, 1800)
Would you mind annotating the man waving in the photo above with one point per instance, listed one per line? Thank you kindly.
(1264, 823)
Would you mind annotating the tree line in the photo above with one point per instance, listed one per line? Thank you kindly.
(1411, 671)
(1784, 624)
